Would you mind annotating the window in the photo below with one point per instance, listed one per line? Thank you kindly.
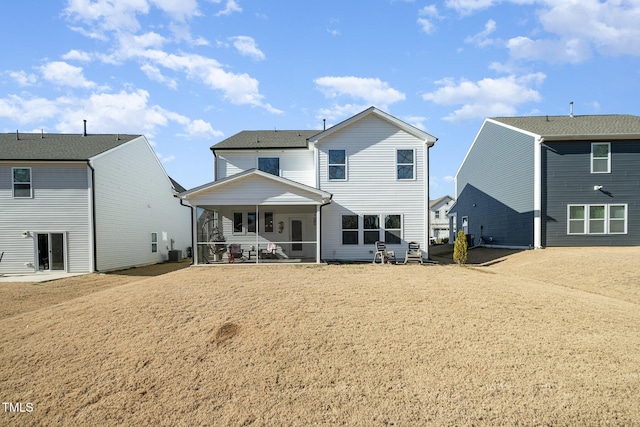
(597, 219)
(393, 229)
(237, 222)
(251, 222)
(268, 222)
(154, 242)
(601, 157)
(349, 229)
(371, 229)
(21, 182)
(437, 214)
(405, 165)
(337, 165)
(270, 165)
(617, 219)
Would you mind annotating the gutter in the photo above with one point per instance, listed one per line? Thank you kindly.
(193, 248)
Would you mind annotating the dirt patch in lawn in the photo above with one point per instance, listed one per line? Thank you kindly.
(534, 343)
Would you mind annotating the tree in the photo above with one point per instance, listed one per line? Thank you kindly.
(460, 248)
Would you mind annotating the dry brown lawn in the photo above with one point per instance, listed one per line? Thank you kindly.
(548, 337)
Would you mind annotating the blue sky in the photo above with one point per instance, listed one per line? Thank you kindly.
(189, 73)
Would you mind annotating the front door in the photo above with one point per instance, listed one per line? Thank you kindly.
(51, 254)
(296, 235)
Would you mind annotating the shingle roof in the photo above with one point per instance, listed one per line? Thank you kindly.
(565, 127)
(36, 146)
(256, 139)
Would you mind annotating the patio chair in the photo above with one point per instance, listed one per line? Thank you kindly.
(270, 252)
(386, 256)
(414, 253)
(235, 250)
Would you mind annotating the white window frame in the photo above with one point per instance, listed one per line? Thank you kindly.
(330, 165)
(350, 230)
(154, 242)
(586, 227)
(14, 183)
(371, 230)
(383, 225)
(268, 157)
(593, 146)
(413, 164)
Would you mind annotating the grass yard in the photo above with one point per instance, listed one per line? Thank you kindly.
(548, 337)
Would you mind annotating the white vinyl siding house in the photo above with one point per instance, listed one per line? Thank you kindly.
(328, 182)
(95, 200)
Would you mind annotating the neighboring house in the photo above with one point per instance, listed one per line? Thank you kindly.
(551, 181)
(84, 203)
(315, 195)
(439, 219)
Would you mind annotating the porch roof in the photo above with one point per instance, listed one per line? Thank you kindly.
(255, 187)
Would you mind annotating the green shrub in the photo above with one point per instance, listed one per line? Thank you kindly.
(460, 248)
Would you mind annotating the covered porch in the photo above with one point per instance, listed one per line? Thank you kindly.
(256, 217)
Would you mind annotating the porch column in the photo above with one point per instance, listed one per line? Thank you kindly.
(318, 237)
(194, 234)
(257, 234)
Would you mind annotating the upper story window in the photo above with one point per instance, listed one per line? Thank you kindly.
(601, 157)
(21, 182)
(437, 214)
(270, 165)
(405, 164)
(337, 165)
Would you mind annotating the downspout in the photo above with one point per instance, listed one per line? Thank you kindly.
(93, 216)
(319, 229)
(537, 192)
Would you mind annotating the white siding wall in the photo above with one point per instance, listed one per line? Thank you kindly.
(60, 204)
(371, 187)
(296, 165)
(134, 199)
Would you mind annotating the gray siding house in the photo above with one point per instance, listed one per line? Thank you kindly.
(551, 181)
(84, 203)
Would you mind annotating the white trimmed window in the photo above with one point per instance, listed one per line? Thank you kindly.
(349, 229)
(601, 157)
(337, 162)
(237, 223)
(21, 182)
(270, 165)
(393, 229)
(154, 242)
(597, 219)
(371, 225)
(405, 164)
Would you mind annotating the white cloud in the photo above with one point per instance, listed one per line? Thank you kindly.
(482, 38)
(338, 113)
(416, 121)
(154, 73)
(122, 112)
(77, 55)
(230, 7)
(469, 6)
(486, 97)
(62, 74)
(571, 50)
(426, 16)
(247, 47)
(22, 78)
(371, 90)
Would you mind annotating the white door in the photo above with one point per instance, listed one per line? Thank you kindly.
(50, 251)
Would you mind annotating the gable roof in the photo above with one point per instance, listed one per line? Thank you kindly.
(261, 139)
(440, 201)
(612, 126)
(322, 195)
(429, 139)
(52, 147)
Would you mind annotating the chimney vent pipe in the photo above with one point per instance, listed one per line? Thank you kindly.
(85, 128)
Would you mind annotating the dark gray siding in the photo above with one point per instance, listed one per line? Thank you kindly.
(495, 187)
(567, 179)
